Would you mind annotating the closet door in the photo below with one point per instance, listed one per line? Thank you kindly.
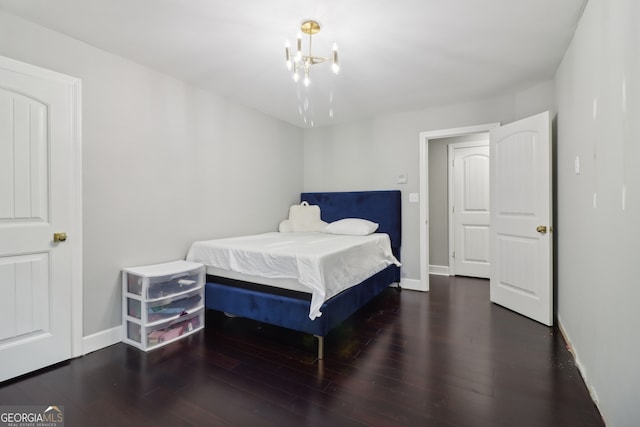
(470, 214)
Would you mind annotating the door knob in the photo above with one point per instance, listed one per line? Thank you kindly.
(59, 237)
(542, 229)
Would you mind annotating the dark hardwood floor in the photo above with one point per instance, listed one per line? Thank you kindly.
(444, 358)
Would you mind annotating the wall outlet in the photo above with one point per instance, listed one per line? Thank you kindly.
(414, 197)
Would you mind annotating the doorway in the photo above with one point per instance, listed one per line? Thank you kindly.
(439, 139)
(521, 252)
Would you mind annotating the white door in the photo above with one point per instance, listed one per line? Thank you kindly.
(521, 238)
(38, 133)
(470, 211)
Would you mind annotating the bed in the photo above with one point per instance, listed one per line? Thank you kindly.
(279, 301)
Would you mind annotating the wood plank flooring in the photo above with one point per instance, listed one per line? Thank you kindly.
(444, 358)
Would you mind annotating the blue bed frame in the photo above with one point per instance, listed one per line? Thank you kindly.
(383, 207)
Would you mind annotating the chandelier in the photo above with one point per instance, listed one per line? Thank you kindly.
(301, 63)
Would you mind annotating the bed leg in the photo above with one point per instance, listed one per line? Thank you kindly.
(399, 289)
(320, 347)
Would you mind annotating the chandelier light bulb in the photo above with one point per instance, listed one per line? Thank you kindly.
(287, 53)
(299, 51)
(296, 75)
(306, 80)
(335, 66)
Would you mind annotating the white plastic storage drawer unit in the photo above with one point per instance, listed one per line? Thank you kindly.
(162, 303)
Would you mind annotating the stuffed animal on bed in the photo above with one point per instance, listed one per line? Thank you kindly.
(303, 217)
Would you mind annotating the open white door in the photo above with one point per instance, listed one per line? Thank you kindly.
(521, 215)
(38, 272)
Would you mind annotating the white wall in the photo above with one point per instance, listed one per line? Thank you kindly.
(598, 95)
(369, 154)
(164, 163)
(439, 202)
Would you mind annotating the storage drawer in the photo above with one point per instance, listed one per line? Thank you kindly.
(166, 308)
(174, 285)
(166, 333)
(149, 337)
(163, 280)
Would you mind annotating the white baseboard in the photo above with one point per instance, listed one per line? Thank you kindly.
(580, 366)
(102, 339)
(440, 270)
(410, 284)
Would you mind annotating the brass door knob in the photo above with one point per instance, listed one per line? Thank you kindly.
(542, 229)
(59, 237)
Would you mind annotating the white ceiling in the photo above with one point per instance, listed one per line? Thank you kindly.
(395, 55)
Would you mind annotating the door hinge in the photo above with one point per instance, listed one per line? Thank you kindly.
(453, 255)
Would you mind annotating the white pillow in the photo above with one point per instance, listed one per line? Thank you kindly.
(351, 226)
(286, 226)
(302, 217)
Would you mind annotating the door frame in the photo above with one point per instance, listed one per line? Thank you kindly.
(75, 187)
(425, 137)
(451, 193)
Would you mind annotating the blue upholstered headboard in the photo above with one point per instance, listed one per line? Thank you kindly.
(383, 207)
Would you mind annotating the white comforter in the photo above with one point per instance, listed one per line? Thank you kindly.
(324, 263)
